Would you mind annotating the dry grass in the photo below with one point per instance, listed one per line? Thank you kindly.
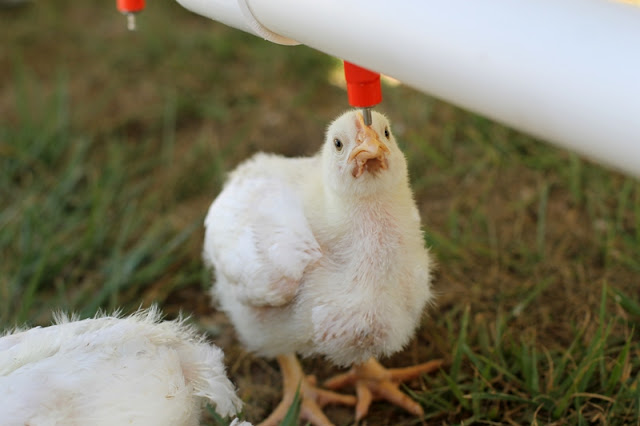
(112, 146)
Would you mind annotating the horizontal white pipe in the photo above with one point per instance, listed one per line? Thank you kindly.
(235, 13)
(566, 71)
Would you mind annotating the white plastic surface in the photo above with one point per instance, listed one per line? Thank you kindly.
(237, 14)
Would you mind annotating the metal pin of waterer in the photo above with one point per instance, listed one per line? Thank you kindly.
(131, 21)
(366, 115)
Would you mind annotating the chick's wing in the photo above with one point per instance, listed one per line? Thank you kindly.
(259, 239)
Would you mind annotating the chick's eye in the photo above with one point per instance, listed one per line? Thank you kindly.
(338, 144)
(386, 132)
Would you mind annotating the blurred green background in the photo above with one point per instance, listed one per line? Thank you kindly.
(113, 144)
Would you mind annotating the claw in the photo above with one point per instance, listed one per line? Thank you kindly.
(364, 400)
(313, 398)
(373, 381)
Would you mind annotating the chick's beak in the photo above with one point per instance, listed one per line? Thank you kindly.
(370, 153)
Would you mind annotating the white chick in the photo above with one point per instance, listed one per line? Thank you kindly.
(111, 371)
(324, 256)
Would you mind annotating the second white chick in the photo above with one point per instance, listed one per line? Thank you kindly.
(112, 371)
(325, 256)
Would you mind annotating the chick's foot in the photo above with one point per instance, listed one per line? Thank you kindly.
(313, 398)
(373, 381)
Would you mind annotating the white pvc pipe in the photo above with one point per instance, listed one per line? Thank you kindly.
(567, 71)
(235, 13)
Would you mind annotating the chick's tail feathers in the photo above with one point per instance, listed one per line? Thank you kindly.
(203, 366)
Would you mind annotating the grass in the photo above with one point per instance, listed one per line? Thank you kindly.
(112, 146)
(513, 379)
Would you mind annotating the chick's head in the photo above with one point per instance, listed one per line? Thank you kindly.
(361, 160)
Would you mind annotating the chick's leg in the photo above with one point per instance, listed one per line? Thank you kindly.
(313, 398)
(373, 381)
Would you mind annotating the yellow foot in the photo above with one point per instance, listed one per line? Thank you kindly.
(373, 381)
(313, 398)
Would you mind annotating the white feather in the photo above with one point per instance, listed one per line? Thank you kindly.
(258, 236)
(111, 371)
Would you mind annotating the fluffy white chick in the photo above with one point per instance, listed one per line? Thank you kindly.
(324, 256)
(111, 371)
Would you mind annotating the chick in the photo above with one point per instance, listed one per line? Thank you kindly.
(324, 256)
(111, 371)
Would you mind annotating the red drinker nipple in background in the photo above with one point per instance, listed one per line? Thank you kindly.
(130, 8)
